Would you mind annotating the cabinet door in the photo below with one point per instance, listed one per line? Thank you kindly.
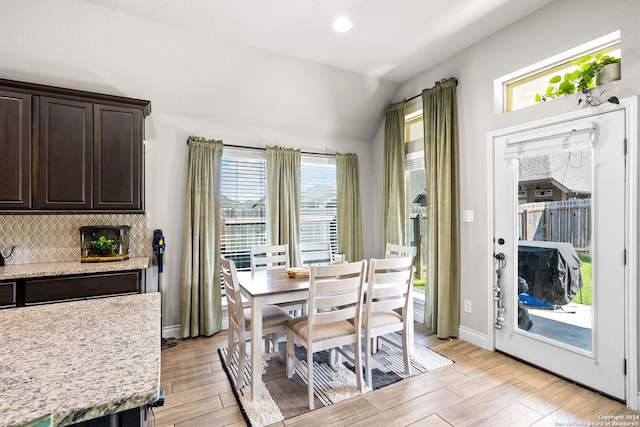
(65, 153)
(118, 156)
(15, 150)
(7, 294)
(79, 287)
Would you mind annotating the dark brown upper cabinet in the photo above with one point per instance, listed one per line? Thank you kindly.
(117, 159)
(65, 154)
(67, 150)
(15, 150)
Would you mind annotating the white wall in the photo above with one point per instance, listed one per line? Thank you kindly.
(553, 29)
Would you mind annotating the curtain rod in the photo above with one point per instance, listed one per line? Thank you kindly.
(264, 149)
(420, 94)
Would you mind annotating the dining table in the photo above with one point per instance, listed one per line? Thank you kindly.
(262, 287)
(275, 286)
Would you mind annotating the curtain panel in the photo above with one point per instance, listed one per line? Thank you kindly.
(440, 119)
(349, 210)
(394, 215)
(201, 291)
(283, 194)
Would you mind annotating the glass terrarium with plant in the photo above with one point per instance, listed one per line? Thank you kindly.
(104, 243)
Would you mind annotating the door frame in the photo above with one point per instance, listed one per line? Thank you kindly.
(630, 106)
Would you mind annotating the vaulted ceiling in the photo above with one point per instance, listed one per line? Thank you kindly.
(256, 63)
(390, 40)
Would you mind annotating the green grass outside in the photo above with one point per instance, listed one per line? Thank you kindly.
(420, 284)
(586, 283)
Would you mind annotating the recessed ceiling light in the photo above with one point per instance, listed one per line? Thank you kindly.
(342, 24)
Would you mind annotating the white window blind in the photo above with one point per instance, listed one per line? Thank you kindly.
(318, 201)
(243, 210)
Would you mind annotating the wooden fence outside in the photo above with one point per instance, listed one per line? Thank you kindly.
(560, 221)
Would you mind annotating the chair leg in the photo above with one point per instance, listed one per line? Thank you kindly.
(274, 342)
(290, 353)
(242, 359)
(358, 362)
(310, 377)
(230, 347)
(406, 350)
(335, 357)
(367, 357)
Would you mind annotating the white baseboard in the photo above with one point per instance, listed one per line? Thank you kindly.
(473, 337)
(171, 331)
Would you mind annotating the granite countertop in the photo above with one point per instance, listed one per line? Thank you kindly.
(64, 268)
(74, 361)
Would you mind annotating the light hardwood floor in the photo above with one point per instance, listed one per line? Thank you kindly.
(481, 388)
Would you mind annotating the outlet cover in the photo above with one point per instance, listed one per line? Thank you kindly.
(468, 215)
(467, 306)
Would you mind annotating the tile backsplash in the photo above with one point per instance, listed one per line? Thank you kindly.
(51, 238)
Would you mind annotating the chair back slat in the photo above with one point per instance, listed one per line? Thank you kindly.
(269, 256)
(335, 292)
(345, 313)
(399, 251)
(314, 253)
(389, 284)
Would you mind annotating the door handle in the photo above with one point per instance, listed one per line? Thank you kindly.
(497, 290)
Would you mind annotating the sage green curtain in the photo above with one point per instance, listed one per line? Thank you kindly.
(283, 193)
(201, 292)
(393, 173)
(349, 211)
(440, 119)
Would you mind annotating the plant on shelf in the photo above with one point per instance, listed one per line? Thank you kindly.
(105, 246)
(580, 80)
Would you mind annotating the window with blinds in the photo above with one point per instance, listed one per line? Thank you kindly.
(318, 201)
(243, 210)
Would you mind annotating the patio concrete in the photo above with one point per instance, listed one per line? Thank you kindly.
(571, 324)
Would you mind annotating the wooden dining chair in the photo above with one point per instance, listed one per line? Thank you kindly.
(395, 251)
(274, 321)
(334, 319)
(387, 307)
(314, 253)
(269, 256)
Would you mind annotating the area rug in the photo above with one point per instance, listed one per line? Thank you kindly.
(282, 398)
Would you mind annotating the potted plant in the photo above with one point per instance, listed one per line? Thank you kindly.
(584, 78)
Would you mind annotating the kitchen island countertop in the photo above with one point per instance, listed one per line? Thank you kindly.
(64, 268)
(74, 361)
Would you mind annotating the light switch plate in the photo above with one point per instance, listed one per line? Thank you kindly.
(468, 215)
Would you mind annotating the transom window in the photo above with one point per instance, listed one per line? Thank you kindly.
(518, 89)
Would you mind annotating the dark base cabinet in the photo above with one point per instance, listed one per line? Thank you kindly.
(68, 288)
(136, 417)
(25, 292)
(8, 294)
